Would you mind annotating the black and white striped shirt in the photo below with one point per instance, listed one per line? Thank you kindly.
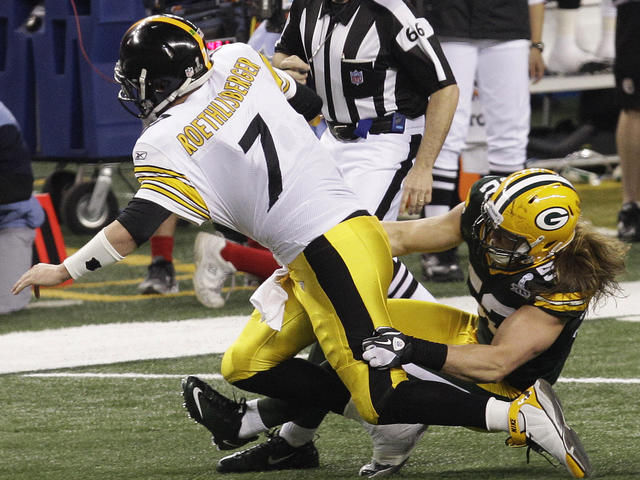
(369, 58)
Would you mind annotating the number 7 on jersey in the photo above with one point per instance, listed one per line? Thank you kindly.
(258, 128)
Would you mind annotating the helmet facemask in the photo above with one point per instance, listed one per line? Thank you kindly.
(146, 96)
(504, 250)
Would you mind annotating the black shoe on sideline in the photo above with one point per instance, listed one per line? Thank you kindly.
(442, 267)
(160, 279)
(629, 223)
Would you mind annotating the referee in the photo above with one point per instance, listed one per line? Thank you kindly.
(379, 71)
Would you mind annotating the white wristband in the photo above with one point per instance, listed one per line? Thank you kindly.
(98, 252)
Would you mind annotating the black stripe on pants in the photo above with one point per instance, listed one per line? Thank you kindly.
(335, 279)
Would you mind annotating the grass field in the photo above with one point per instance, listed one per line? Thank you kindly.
(125, 420)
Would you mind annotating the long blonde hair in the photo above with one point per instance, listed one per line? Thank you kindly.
(590, 264)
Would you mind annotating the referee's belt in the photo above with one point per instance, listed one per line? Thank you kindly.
(351, 131)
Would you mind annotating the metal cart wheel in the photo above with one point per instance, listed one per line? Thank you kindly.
(84, 215)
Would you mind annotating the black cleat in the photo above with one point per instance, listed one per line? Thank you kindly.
(274, 454)
(629, 222)
(160, 279)
(219, 414)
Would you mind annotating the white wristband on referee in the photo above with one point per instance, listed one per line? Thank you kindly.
(98, 252)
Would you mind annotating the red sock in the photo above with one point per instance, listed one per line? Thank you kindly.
(257, 261)
(254, 244)
(162, 246)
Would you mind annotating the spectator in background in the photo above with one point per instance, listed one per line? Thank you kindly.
(20, 212)
(264, 38)
(627, 73)
(498, 44)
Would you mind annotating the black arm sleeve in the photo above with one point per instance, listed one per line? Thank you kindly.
(141, 218)
(428, 354)
(306, 102)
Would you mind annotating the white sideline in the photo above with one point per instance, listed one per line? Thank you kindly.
(123, 342)
(217, 376)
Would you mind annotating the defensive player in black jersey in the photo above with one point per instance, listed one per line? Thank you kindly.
(535, 268)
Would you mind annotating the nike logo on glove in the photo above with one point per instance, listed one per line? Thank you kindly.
(196, 397)
(275, 461)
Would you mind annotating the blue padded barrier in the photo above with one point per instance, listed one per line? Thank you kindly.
(17, 77)
(79, 114)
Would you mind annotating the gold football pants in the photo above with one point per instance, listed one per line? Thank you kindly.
(337, 295)
(337, 291)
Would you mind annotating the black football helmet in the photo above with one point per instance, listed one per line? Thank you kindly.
(162, 57)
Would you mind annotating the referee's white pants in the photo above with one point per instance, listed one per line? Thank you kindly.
(374, 168)
(371, 166)
(502, 72)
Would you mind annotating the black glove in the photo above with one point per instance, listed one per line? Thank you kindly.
(388, 349)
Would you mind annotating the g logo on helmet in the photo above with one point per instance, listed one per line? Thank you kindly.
(552, 218)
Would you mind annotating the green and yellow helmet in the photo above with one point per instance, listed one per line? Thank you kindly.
(531, 216)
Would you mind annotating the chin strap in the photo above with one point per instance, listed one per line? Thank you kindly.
(187, 86)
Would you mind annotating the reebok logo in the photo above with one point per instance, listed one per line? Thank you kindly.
(275, 461)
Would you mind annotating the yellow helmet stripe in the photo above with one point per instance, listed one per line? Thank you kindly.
(519, 186)
(187, 28)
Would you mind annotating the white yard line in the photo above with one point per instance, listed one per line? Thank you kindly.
(217, 376)
(122, 342)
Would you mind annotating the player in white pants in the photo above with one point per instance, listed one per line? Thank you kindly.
(502, 70)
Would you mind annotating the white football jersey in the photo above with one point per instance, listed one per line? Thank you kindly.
(235, 152)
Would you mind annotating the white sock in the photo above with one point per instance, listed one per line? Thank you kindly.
(251, 422)
(497, 415)
(351, 411)
(566, 20)
(295, 435)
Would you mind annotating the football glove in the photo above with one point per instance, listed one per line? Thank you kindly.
(389, 348)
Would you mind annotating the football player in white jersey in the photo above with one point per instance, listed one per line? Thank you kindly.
(230, 143)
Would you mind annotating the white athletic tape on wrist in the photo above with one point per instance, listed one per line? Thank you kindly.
(97, 253)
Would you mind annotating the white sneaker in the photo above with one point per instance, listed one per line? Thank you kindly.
(392, 445)
(211, 269)
(567, 58)
(545, 428)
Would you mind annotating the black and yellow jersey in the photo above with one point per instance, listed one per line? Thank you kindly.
(500, 294)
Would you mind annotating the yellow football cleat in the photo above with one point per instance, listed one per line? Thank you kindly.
(545, 428)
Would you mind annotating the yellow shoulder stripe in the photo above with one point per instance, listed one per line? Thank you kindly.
(283, 83)
(562, 302)
(171, 195)
(142, 169)
(184, 189)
